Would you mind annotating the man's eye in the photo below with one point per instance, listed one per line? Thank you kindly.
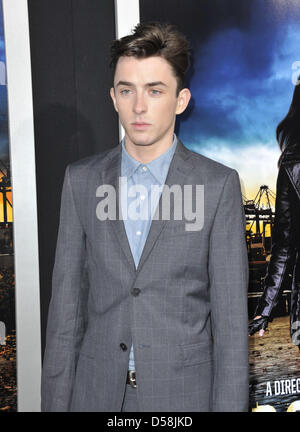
(125, 91)
(156, 92)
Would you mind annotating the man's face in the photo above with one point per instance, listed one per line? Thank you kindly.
(144, 95)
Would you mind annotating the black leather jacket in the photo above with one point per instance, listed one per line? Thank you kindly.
(286, 240)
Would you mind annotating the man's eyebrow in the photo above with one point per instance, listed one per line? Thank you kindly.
(155, 83)
(151, 84)
(127, 83)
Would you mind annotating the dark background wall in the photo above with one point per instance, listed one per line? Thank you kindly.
(73, 113)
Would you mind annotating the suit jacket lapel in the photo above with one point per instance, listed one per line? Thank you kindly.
(111, 176)
(179, 168)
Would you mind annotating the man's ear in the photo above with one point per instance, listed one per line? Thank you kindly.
(112, 94)
(183, 100)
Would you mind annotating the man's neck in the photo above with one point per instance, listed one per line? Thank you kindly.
(146, 153)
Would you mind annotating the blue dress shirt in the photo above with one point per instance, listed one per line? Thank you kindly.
(137, 210)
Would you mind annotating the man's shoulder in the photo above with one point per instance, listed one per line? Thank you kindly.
(92, 162)
(208, 166)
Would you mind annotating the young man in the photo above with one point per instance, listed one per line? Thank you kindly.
(149, 300)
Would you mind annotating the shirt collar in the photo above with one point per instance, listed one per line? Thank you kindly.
(158, 166)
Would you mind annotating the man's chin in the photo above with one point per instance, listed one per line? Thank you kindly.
(141, 141)
(142, 144)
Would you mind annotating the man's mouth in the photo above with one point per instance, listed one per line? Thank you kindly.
(139, 125)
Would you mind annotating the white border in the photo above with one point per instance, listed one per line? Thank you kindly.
(22, 154)
(127, 15)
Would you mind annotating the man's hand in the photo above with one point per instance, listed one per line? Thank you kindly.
(258, 323)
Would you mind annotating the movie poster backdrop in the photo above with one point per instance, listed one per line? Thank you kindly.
(246, 60)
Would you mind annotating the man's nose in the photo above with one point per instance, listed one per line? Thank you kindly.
(139, 104)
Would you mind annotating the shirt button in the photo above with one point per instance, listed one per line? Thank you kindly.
(138, 233)
(135, 292)
(143, 197)
(144, 168)
(123, 346)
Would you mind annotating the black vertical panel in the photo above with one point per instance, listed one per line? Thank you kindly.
(73, 114)
(93, 32)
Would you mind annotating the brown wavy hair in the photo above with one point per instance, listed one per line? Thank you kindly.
(155, 39)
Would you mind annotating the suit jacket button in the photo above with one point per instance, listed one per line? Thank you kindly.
(135, 292)
(123, 346)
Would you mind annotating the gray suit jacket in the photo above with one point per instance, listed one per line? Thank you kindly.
(187, 320)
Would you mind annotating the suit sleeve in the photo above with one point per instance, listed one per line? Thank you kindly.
(66, 315)
(228, 271)
(283, 249)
